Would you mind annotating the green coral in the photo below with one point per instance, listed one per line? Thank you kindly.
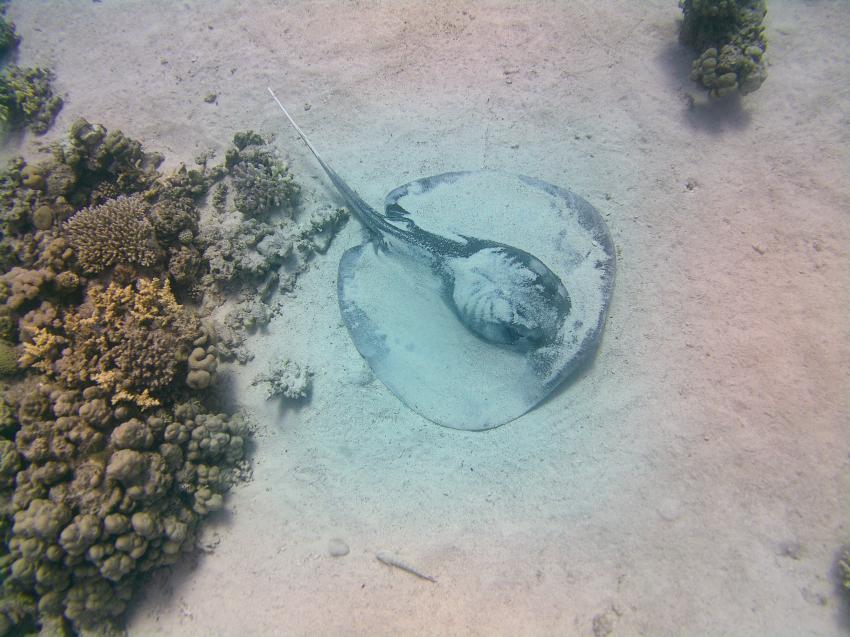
(27, 99)
(730, 37)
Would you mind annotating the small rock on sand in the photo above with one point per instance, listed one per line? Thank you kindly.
(337, 548)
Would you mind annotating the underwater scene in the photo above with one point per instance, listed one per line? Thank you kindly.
(462, 317)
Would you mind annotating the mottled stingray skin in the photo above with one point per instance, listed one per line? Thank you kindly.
(472, 333)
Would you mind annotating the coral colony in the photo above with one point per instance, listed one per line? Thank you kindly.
(730, 38)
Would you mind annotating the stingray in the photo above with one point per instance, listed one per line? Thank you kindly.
(472, 332)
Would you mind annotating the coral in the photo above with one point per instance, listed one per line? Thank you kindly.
(80, 530)
(10, 463)
(262, 253)
(129, 340)
(19, 285)
(202, 365)
(132, 434)
(171, 216)
(262, 183)
(55, 255)
(277, 246)
(730, 36)
(83, 531)
(106, 471)
(231, 253)
(321, 227)
(248, 316)
(16, 198)
(9, 39)
(26, 98)
(8, 358)
(184, 264)
(191, 184)
(231, 345)
(117, 231)
(288, 379)
(92, 165)
(42, 217)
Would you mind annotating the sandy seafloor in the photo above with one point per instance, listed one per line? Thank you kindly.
(693, 481)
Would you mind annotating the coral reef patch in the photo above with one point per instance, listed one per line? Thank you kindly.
(113, 441)
(112, 445)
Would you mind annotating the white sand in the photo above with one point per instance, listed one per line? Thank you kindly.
(692, 482)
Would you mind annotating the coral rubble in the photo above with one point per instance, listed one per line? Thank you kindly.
(729, 35)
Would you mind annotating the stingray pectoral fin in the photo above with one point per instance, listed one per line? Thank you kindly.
(396, 314)
(368, 337)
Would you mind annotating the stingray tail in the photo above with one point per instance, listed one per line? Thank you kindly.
(365, 213)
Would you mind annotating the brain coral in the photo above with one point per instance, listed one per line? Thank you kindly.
(117, 231)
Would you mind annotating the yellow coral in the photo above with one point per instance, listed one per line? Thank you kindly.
(154, 299)
(39, 353)
(128, 340)
(151, 300)
(143, 400)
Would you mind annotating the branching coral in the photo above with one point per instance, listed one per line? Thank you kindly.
(730, 36)
(129, 340)
(115, 232)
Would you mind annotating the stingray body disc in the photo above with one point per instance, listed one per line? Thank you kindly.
(396, 309)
